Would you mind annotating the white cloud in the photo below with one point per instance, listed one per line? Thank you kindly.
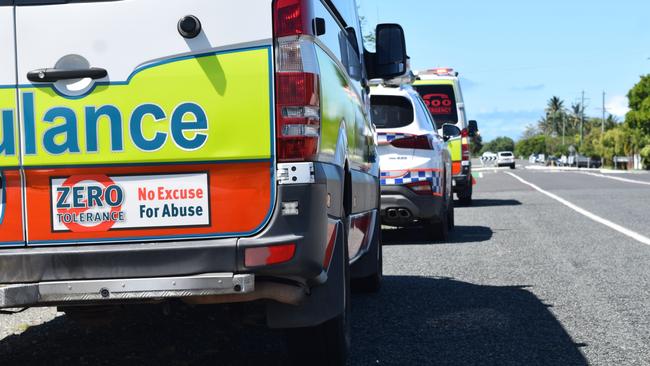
(617, 105)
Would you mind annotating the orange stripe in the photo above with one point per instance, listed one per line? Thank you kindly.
(240, 200)
(11, 228)
(456, 168)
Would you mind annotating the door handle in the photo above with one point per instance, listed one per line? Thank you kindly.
(53, 75)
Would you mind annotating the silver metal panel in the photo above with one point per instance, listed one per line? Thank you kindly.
(296, 173)
(132, 289)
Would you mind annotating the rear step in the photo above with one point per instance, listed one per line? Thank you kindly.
(125, 289)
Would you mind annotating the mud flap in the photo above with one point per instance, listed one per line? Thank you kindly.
(366, 265)
(325, 301)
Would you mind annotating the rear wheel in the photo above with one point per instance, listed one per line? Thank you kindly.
(439, 229)
(451, 219)
(512, 166)
(465, 196)
(326, 344)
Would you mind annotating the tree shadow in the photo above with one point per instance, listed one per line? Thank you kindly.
(483, 202)
(419, 236)
(429, 321)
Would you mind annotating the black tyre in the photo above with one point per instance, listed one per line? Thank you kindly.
(451, 219)
(327, 344)
(439, 229)
(512, 166)
(465, 197)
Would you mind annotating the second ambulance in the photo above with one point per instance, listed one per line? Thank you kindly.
(440, 89)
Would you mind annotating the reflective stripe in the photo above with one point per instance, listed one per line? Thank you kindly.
(456, 168)
(8, 129)
(213, 107)
(401, 177)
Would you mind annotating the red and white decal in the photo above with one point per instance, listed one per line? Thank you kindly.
(95, 203)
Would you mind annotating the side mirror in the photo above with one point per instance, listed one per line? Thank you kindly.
(449, 131)
(390, 59)
(472, 128)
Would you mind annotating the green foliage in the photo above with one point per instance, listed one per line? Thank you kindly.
(542, 144)
(591, 145)
(499, 144)
(532, 145)
(618, 139)
(639, 97)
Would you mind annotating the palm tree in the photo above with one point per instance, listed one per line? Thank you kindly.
(577, 118)
(555, 117)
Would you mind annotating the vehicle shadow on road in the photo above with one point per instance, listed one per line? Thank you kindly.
(147, 337)
(429, 321)
(484, 202)
(418, 236)
(412, 321)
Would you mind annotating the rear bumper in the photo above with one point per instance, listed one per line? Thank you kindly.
(59, 292)
(463, 180)
(308, 231)
(404, 200)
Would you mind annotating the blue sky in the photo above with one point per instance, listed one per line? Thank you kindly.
(513, 55)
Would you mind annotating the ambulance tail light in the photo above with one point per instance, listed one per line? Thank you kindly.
(466, 155)
(413, 142)
(292, 18)
(297, 82)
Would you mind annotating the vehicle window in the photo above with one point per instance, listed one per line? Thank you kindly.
(441, 102)
(346, 9)
(341, 37)
(391, 111)
(506, 154)
(427, 116)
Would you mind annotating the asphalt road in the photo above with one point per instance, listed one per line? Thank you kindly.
(524, 280)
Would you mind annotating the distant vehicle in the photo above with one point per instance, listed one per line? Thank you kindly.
(441, 91)
(553, 161)
(532, 158)
(506, 158)
(541, 158)
(582, 161)
(414, 160)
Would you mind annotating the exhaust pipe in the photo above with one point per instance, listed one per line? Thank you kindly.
(392, 213)
(404, 213)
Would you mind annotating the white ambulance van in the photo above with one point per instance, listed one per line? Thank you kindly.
(196, 150)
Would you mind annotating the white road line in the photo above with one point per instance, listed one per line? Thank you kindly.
(636, 236)
(619, 179)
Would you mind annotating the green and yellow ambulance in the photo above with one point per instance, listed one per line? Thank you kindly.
(192, 150)
(440, 89)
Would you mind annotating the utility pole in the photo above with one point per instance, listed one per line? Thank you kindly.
(582, 116)
(563, 129)
(602, 124)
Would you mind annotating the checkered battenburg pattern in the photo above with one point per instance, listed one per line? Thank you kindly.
(413, 176)
(388, 137)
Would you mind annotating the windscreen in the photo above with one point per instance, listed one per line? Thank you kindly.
(506, 154)
(441, 101)
(391, 111)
